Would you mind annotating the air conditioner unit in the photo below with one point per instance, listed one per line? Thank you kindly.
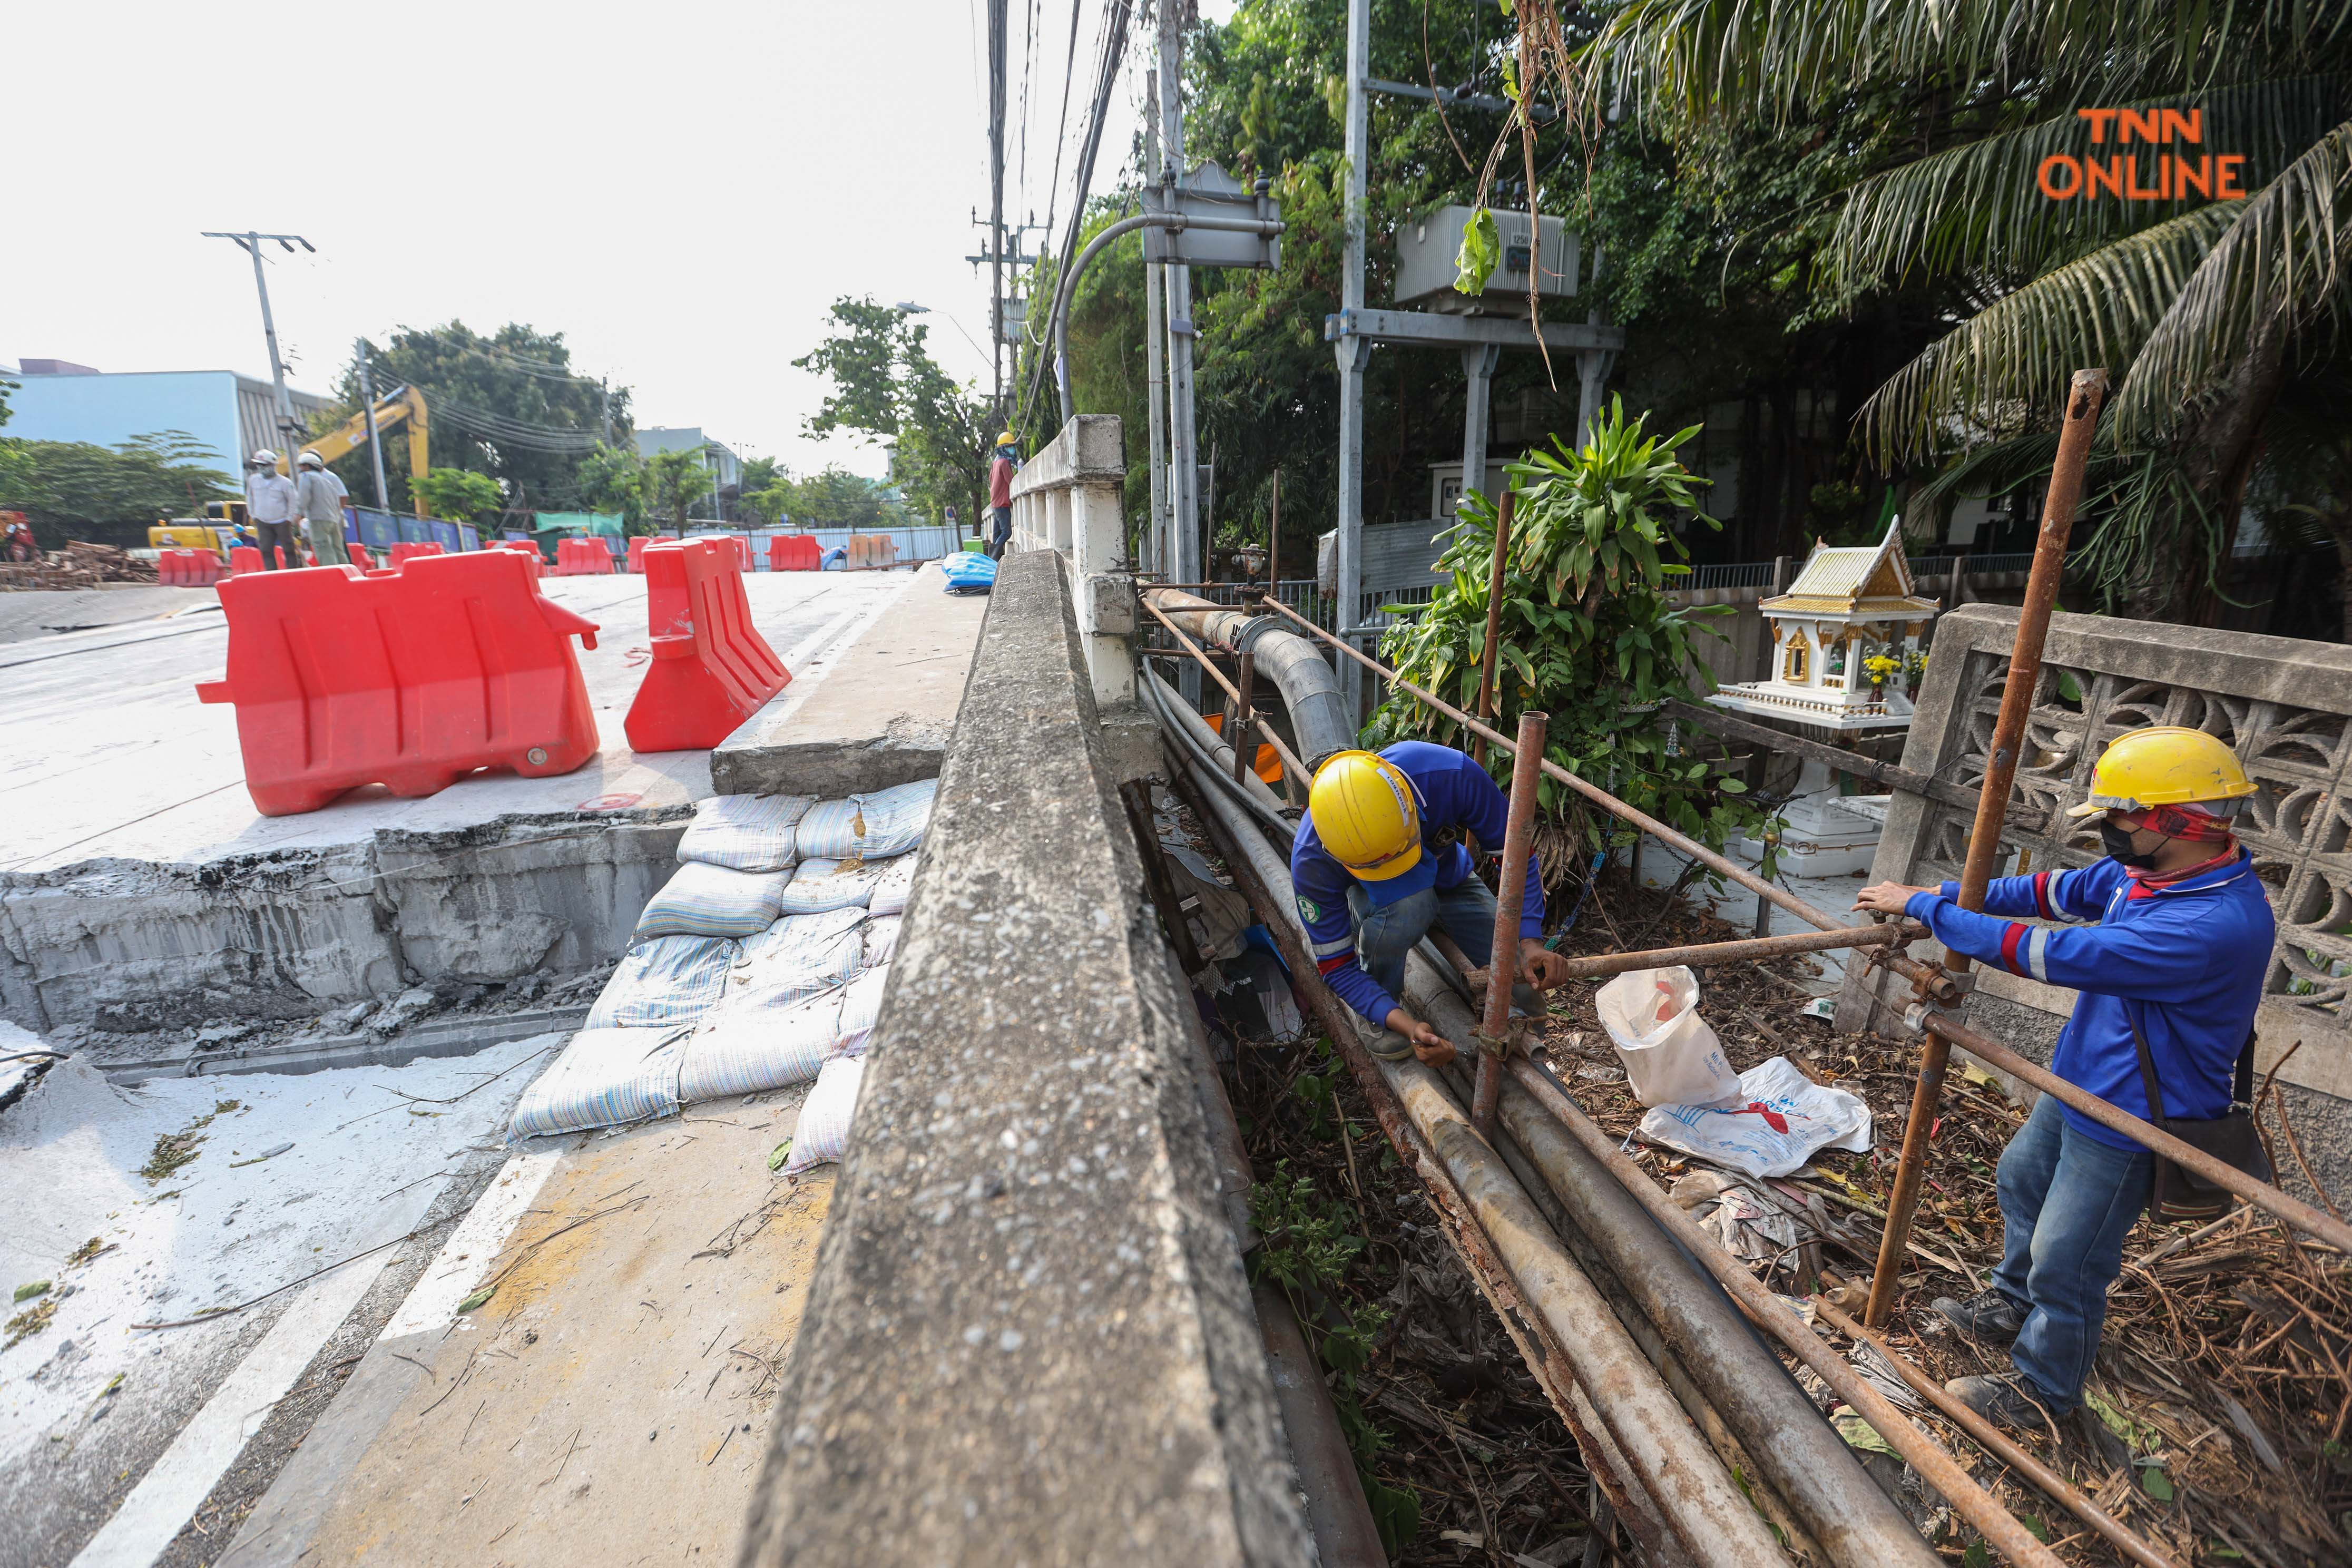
(1427, 249)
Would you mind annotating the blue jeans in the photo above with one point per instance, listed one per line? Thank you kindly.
(2066, 1202)
(1385, 934)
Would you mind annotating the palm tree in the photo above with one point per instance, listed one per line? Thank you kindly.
(2199, 306)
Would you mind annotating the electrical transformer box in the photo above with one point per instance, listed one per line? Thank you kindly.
(1427, 248)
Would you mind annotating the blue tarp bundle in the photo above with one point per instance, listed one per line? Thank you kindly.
(969, 573)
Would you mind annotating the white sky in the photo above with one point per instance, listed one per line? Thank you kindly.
(681, 190)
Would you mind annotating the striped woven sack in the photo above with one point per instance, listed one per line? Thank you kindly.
(897, 882)
(710, 901)
(605, 1078)
(861, 1004)
(821, 885)
(869, 827)
(743, 1052)
(670, 980)
(745, 832)
(881, 936)
(823, 1132)
(791, 943)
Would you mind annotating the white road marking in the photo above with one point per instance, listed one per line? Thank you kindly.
(475, 1245)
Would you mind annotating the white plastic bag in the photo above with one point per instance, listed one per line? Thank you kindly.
(1671, 1057)
(1779, 1119)
(744, 832)
(823, 1131)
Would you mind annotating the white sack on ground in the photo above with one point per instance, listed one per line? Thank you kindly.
(823, 1132)
(710, 901)
(897, 880)
(745, 832)
(1671, 1057)
(793, 941)
(869, 827)
(861, 1004)
(773, 987)
(881, 935)
(671, 980)
(821, 885)
(743, 1052)
(604, 1079)
(1778, 1120)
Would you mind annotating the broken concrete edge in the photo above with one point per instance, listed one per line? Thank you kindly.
(458, 1036)
(1029, 1338)
(135, 946)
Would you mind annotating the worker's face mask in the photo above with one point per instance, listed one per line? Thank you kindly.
(2117, 841)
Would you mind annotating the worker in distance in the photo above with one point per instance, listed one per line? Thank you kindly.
(1382, 859)
(320, 495)
(2167, 940)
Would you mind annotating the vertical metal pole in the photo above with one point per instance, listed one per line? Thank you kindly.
(1184, 563)
(996, 28)
(2083, 396)
(288, 428)
(1274, 541)
(1502, 967)
(1494, 617)
(1478, 362)
(1155, 348)
(1238, 726)
(375, 441)
(1354, 353)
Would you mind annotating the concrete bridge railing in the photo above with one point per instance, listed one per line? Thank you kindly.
(1071, 498)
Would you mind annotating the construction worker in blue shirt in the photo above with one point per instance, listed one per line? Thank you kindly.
(2170, 936)
(1380, 862)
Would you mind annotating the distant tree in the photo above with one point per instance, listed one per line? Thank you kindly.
(887, 388)
(6, 389)
(459, 495)
(74, 483)
(675, 482)
(613, 479)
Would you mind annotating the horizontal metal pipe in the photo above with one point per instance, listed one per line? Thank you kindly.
(1938, 1468)
(2146, 1134)
(1290, 761)
(1796, 1452)
(1747, 950)
(1320, 719)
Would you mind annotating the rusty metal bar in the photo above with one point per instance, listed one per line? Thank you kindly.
(1503, 962)
(1938, 1468)
(1649, 825)
(2083, 396)
(1987, 1437)
(2262, 1195)
(1701, 955)
(1289, 759)
(1494, 609)
(1238, 727)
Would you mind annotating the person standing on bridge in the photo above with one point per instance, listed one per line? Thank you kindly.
(999, 493)
(1380, 862)
(272, 503)
(2167, 941)
(321, 496)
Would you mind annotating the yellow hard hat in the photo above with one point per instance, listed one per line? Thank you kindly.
(2165, 765)
(1363, 809)
(1008, 439)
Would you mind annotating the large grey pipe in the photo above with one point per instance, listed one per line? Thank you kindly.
(1320, 718)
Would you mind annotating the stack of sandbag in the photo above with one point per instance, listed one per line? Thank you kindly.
(760, 965)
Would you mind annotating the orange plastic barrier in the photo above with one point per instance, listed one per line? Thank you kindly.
(582, 558)
(711, 668)
(408, 550)
(410, 679)
(188, 568)
(527, 549)
(244, 558)
(795, 553)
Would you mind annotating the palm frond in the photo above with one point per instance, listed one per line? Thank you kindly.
(1985, 377)
(1706, 57)
(2280, 263)
(1978, 205)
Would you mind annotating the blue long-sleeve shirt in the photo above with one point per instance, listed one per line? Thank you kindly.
(1454, 797)
(2183, 959)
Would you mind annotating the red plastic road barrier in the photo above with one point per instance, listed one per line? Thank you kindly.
(637, 553)
(187, 568)
(795, 553)
(743, 557)
(582, 558)
(524, 548)
(410, 679)
(244, 558)
(360, 557)
(711, 669)
(408, 550)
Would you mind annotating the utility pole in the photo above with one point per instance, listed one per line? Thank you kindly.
(1354, 355)
(604, 410)
(1159, 554)
(996, 29)
(1183, 458)
(289, 427)
(375, 443)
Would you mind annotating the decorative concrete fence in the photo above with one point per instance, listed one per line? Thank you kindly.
(1071, 498)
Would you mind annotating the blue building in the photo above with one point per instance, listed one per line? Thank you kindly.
(232, 414)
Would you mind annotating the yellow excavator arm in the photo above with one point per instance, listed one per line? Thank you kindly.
(405, 405)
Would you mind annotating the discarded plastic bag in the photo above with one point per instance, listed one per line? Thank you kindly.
(1671, 1057)
(745, 832)
(1778, 1121)
(703, 900)
(743, 1052)
(821, 1134)
(873, 827)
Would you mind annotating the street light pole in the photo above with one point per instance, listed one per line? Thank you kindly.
(289, 429)
(375, 443)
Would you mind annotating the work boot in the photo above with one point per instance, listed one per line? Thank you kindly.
(2003, 1398)
(1989, 1317)
(1384, 1043)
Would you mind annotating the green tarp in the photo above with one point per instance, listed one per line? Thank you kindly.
(578, 522)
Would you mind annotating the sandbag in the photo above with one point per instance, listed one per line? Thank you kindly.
(792, 944)
(703, 900)
(823, 1132)
(897, 880)
(1778, 1120)
(881, 939)
(1671, 1057)
(745, 832)
(773, 987)
(861, 1003)
(744, 1052)
(821, 885)
(670, 980)
(605, 1078)
(869, 827)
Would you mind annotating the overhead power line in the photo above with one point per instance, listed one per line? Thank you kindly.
(1111, 58)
